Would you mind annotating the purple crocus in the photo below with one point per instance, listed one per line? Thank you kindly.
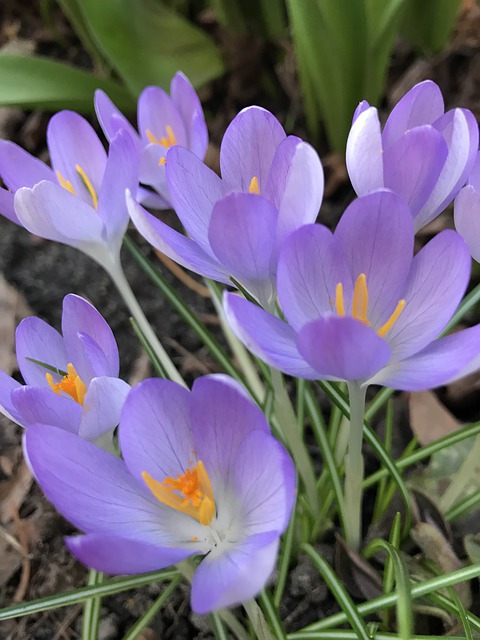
(423, 154)
(80, 201)
(271, 184)
(360, 307)
(76, 387)
(163, 122)
(201, 475)
(467, 211)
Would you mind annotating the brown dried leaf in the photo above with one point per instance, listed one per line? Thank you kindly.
(14, 491)
(429, 419)
(13, 307)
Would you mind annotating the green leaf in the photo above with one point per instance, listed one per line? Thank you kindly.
(429, 23)
(147, 43)
(34, 82)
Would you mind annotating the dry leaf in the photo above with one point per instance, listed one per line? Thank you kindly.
(429, 419)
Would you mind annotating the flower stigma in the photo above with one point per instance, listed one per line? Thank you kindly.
(71, 384)
(360, 305)
(254, 186)
(191, 493)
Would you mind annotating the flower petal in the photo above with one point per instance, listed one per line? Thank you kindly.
(376, 235)
(194, 189)
(156, 111)
(40, 405)
(123, 556)
(266, 336)
(436, 283)
(222, 416)
(112, 119)
(102, 406)
(36, 339)
(73, 142)
(343, 348)
(310, 266)
(467, 218)
(154, 431)
(229, 578)
(364, 153)
(248, 148)
(265, 483)
(423, 104)
(18, 168)
(242, 236)
(7, 408)
(176, 246)
(186, 101)
(7, 206)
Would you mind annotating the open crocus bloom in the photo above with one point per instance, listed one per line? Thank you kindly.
(423, 154)
(201, 475)
(77, 386)
(360, 307)
(271, 184)
(163, 122)
(80, 201)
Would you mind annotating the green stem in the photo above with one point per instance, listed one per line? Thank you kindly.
(354, 468)
(91, 608)
(288, 422)
(118, 276)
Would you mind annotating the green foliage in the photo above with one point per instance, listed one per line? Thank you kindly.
(429, 23)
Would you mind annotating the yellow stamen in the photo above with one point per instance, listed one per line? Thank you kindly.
(87, 184)
(393, 318)
(360, 299)
(166, 141)
(190, 493)
(254, 186)
(66, 184)
(71, 384)
(162, 161)
(339, 304)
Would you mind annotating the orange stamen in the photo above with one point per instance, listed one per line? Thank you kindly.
(166, 141)
(71, 384)
(385, 328)
(360, 299)
(339, 303)
(88, 185)
(254, 186)
(66, 184)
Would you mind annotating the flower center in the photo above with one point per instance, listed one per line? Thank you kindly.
(254, 186)
(360, 305)
(166, 141)
(66, 184)
(190, 493)
(71, 384)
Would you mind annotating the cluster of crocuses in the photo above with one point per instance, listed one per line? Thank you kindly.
(198, 472)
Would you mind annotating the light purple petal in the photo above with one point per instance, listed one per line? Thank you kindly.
(467, 218)
(112, 119)
(152, 200)
(474, 177)
(188, 105)
(36, 339)
(7, 385)
(176, 246)
(121, 173)
(72, 141)
(222, 416)
(50, 211)
(7, 206)
(376, 235)
(421, 105)
(412, 165)
(194, 189)
(266, 336)
(231, 577)
(443, 361)
(343, 348)
(40, 405)
(362, 106)
(154, 431)
(115, 555)
(310, 266)
(460, 130)
(18, 168)
(248, 148)
(265, 483)
(364, 154)
(92, 488)
(152, 168)
(435, 286)
(102, 406)
(242, 236)
(295, 185)
(156, 112)
(80, 316)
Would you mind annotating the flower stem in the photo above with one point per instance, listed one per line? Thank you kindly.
(118, 276)
(354, 468)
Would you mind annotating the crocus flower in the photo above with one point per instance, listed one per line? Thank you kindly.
(360, 307)
(76, 387)
(80, 201)
(201, 475)
(163, 122)
(271, 184)
(423, 154)
(467, 211)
